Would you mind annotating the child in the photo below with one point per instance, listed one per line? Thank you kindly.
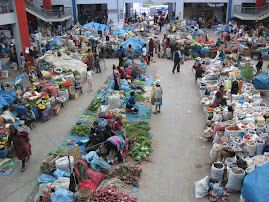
(97, 64)
(89, 78)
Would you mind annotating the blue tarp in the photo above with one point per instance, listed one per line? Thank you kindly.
(7, 98)
(261, 81)
(57, 42)
(97, 26)
(256, 185)
(136, 43)
(120, 31)
(88, 32)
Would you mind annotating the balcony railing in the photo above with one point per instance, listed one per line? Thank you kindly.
(259, 11)
(48, 14)
(6, 6)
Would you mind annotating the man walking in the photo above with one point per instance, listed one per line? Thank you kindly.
(176, 59)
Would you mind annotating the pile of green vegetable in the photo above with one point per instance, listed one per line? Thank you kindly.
(94, 106)
(140, 98)
(76, 72)
(81, 130)
(139, 131)
(141, 150)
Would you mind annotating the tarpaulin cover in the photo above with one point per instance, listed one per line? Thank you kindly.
(120, 31)
(7, 98)
(261, 81)
(88, 32)
(57, 42)
(256, 185)
(63, 195)
(97, 26)
(136, 43)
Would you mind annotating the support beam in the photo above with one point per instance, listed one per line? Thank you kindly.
(21, 29)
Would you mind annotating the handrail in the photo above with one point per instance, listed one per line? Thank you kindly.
(49, 13)
(239, 9)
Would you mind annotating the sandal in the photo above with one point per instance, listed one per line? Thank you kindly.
(159, 111)
(154, 112)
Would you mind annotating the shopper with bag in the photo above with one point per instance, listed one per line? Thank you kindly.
(21, 145)
(176, 58)
(144, 53)
(157, 97)
(90, 59)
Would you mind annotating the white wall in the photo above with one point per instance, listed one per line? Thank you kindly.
(66, 3)
(8, 18)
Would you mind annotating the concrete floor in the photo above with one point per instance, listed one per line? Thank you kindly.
(180, 156)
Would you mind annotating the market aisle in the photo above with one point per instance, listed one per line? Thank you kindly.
(179, 156)
(45, 138)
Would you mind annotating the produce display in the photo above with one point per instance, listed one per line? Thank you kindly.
(81, 130)
(128, 174)
(110, 194)
(94, 106)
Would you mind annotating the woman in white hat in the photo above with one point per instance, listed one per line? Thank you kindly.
(157, 96)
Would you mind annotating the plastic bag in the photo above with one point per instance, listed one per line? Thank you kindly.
(45, 178)
(217, 173)
(83, 163)
(114, 101)
(216, 147)
(201, 188)
(259, 147)
(235, 180)
(63, 163)
(92, 155)
(99, 165)
(61, 173)
(102, 123)
(251, 149)
(103, 111)
(63, 195)
(88, 184)
(60, 183)
(95, 177)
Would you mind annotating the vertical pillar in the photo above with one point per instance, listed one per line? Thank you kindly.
(229, 10)
(21, 30)
(179, 9)
(74, 6)
(47, 4)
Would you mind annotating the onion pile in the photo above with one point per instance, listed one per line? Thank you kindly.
(112, 194)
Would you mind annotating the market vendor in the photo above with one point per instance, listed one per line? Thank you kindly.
(30, 116)
(108, 132)
(95, 141)
(122, 74)
(94, 129)
(229, 114)
(218, 43)
(115, 143)
(7, 115)
(134, 86)
(136, 72)
(130, 102)
(117, 125)
(219, 99)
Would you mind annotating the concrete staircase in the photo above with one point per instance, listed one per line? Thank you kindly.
(48, 15)
(251, 13)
